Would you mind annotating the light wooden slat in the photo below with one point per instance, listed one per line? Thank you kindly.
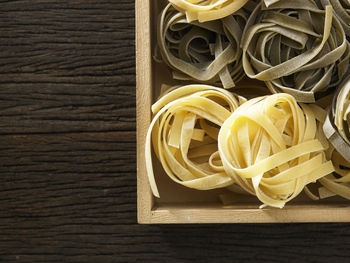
(246, 214)
(143, 105)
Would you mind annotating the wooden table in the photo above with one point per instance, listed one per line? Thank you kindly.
(68, 151)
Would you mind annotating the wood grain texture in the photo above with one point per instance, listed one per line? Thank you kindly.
(68, 152)
(144, 85)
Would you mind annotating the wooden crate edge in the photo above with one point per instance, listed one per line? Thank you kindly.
(143, 105)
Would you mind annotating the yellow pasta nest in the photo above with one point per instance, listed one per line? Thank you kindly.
(208, 52)
(184, 134)
(207, 10)
(296, 48)
(270, 146)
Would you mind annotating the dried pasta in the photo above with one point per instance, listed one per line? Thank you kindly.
(208, 52)
(207, 10)
(296, 48)
(184, 134)
(270, 2)
(337, 125)
(342, 12)
(337, 183)
(337, 131)
(271, 148)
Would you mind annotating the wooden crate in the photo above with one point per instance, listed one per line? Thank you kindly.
(178, 204)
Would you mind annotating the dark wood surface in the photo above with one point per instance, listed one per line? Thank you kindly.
(68, 151)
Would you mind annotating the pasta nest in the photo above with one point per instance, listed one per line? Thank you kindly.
(184, 133)
(337, 125)
(272, 148)
(296, 48)
(207, 10)
(337, 131)
(207, 52)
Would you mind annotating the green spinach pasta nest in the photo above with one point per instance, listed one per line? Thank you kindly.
(337, 124)
(337, 130)
(207, 52)
(296, 48)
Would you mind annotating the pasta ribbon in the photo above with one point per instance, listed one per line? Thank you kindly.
(337, 125)
(207, 10)
(337, 131)
(207, 52)
(337, 183)
(272, 148)
(342, 12)
(270, 2)
(184, 133)
(296, 48)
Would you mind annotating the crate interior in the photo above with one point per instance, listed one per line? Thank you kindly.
(173, 194)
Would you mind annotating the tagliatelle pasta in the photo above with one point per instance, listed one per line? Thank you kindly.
(270, 2)
(296, 48)
(207, 10)
(337, 125)
(337, 183)
(342, 11)
(184, 134)
(271, 148)
(208, 52)
(337, 131)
